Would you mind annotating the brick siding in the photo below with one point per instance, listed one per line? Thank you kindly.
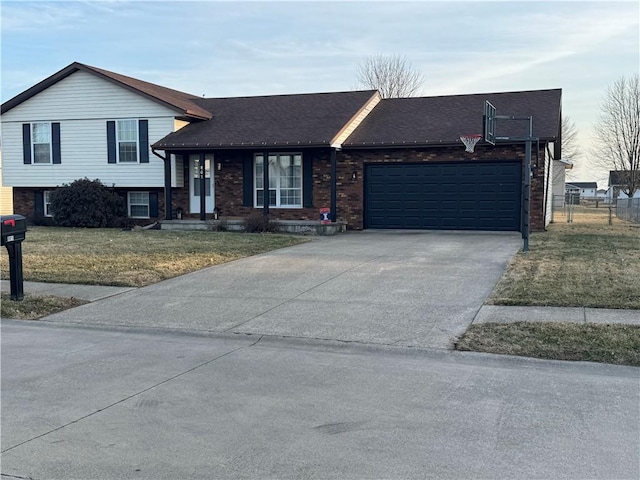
(351, 192)
(228, 188)
(24, 204)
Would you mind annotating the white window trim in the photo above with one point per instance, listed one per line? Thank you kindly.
(148, 205)
(33, 144)
(255, 188)
(137, 121)
(46, 201)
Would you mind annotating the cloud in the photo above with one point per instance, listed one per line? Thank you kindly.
(38, 16)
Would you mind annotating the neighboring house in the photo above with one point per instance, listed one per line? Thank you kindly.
(619, 181)
(392, 163)
(601, 194)
(6, 196)
(584, 190)
(559, 178)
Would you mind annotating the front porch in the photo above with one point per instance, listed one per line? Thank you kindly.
(236, 224)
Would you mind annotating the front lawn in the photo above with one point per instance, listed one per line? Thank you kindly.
(617, 344)
(33, 307)
(132, 258)
(586, 263)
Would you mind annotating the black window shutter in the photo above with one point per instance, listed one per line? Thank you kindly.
(26, 143)
(143, 136)
(153, 204)
(38, 203)
(247, 181)
(111, 141)
(307, 181)
(55, 142)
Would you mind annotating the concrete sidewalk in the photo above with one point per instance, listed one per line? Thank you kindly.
(90, 293)
(507, 314)
(486, 314)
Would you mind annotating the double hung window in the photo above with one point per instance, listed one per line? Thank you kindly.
(127, 140)
(285, 180)
(47, 203)
(41, 142)
(139, 204)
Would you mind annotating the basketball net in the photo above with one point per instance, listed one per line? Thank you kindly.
(470, 140)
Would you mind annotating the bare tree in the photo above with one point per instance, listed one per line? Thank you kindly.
(617, 132)
(391, 75)
(571, 151)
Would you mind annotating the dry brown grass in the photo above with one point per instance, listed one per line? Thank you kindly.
(617, 344)
(132, 258)
(584, 263)
(33, 307)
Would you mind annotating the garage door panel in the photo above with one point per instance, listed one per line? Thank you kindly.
(466, 196)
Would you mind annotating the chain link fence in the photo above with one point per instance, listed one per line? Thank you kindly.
(571, 207)
(628, 209)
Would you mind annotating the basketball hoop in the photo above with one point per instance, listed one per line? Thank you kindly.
(470, 140)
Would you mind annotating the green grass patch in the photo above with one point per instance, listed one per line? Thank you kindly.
(605, 343)
(132, 258)
(35, 306)
(581, 264)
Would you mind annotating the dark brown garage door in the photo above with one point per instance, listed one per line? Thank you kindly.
(451, 196)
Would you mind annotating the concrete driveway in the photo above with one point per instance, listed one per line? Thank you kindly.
(404, 288)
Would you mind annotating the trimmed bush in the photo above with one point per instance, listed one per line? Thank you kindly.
(87, 203)
(258, 223)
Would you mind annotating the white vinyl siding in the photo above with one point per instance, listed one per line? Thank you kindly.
(138, 204)
(83, 103)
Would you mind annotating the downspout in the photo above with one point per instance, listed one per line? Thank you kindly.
(168, 214)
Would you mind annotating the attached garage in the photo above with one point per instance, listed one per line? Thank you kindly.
(443, 196)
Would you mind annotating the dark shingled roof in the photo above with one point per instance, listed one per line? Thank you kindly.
(181, 102)
(441, 120)
(584, 184)
(312, 119)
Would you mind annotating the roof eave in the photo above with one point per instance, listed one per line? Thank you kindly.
(153, 98)
(39, 87)
(434, 143)
(175, 147)
(73, 68)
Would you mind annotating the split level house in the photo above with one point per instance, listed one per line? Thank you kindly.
(374, 163)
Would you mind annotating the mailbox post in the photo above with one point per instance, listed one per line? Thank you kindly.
(13, 229)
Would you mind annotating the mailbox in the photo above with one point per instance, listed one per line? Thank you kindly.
(13, 228)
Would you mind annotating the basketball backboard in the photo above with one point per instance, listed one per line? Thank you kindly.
(489, 123)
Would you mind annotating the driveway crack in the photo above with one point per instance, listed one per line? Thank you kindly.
(122, 400)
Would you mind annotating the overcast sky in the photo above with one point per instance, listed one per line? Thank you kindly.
(221, 49)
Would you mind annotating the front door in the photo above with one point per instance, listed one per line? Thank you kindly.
(194, 183)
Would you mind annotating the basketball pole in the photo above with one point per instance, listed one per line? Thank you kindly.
(527, 188)
(526, 194)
